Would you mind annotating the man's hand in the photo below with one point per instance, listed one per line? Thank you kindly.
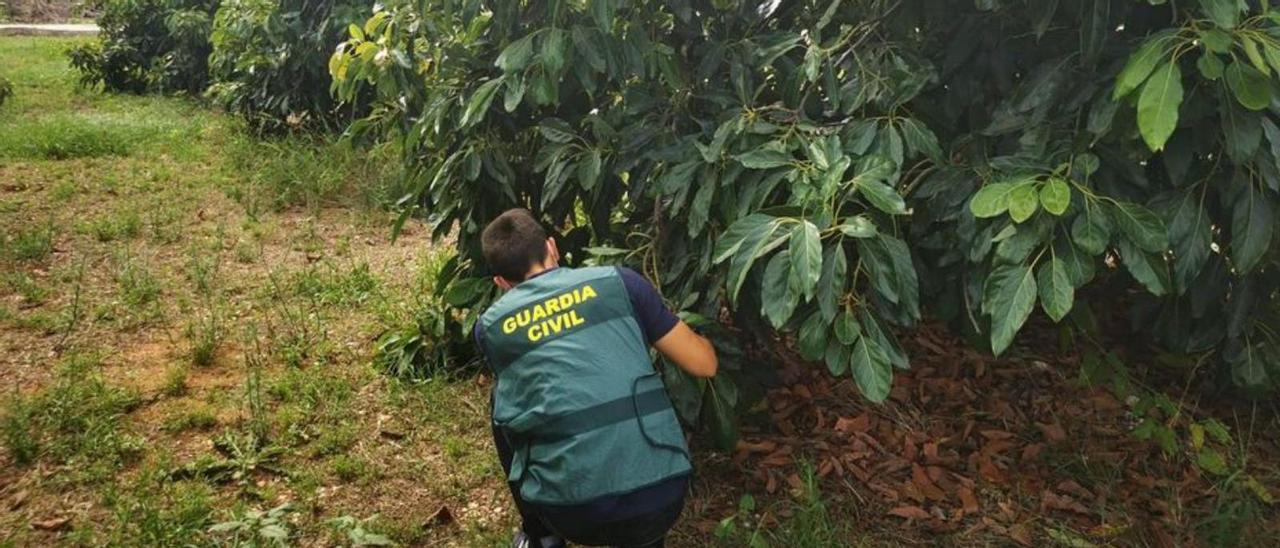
(689, 350)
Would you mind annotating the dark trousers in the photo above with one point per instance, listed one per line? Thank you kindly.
(575, 524)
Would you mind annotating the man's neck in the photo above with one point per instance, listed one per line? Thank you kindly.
(540, 269)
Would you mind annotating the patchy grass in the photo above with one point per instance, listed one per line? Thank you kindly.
(187, 318)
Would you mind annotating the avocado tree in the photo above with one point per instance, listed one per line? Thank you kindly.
(824, 167)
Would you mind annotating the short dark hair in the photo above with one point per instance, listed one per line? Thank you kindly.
(513, 243)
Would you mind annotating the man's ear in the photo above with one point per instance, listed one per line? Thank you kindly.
(502, 283)
(553, 251)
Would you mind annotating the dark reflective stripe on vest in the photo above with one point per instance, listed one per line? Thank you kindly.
(604, 414)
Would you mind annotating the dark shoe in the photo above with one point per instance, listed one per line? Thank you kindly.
(524, 541)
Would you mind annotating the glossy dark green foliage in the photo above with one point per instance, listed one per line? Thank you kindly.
(148, 46)
(823, 168)
(269, 61)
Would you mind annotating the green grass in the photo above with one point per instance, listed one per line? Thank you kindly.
(39, 127)
(138, 285)
(175, 382)
(304, 171)
(29, 244)
(156, 235)
(199, 418)
(78, 421)
(124, 225)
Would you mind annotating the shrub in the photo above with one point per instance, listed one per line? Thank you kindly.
(824, 168)
(269, 60)
(148, 46)
(419, 351)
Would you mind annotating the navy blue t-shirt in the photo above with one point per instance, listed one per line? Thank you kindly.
(655, 321)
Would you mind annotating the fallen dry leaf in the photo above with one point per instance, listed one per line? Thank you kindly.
(18, 499)
(52, 524)
(968, 500)
(909, 512)
(1053, 433)
(1054, 501)
(860, 423)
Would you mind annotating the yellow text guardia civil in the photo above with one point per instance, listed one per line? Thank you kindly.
(550, 316)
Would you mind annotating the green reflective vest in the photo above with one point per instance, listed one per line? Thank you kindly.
(575, 391)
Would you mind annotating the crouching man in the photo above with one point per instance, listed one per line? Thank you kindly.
(583, 426)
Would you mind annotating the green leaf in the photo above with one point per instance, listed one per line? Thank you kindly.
(1079, 265)
(589, 169)
(1150, 269)
(583, 45)
(273, 532)
(1026, 238)
(553, 50)
(818, 154)
(1260, 491)
(556, 130)
(806, 257)
(1057, 294)
(1158, 105)
(811, 341)
(836, 357)
(1217, 431)
(1272, 54)
(1210, 66)
(466, 291)
(1255, 56)
(516, 55)
(720, 406)
(1101, 114)
(355, 31)
(882, 196)
(514, 94)
(1250, 87)
(1240, 130)
(1191, 236)
(832, 283)
(1140, 225)
(760, 241)
(1008, 298)
(742, 229)
(991, 200)
(1216, 40)
(712, 152)
(602, 11)
(1055, 196)
(1023, 202)
(1224, 13)
(1139, 66)
(778, 298)
(765, 157)
(846, 328)
(858, 226)
(883, 340)
(1212, 462)
(479, 103)
(891, 271)
(700, 211)
(1252, 225)
(1096, 26)
(920, 139)
(677, 178)
(813, 58)
(873, 167)
(871, 370)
